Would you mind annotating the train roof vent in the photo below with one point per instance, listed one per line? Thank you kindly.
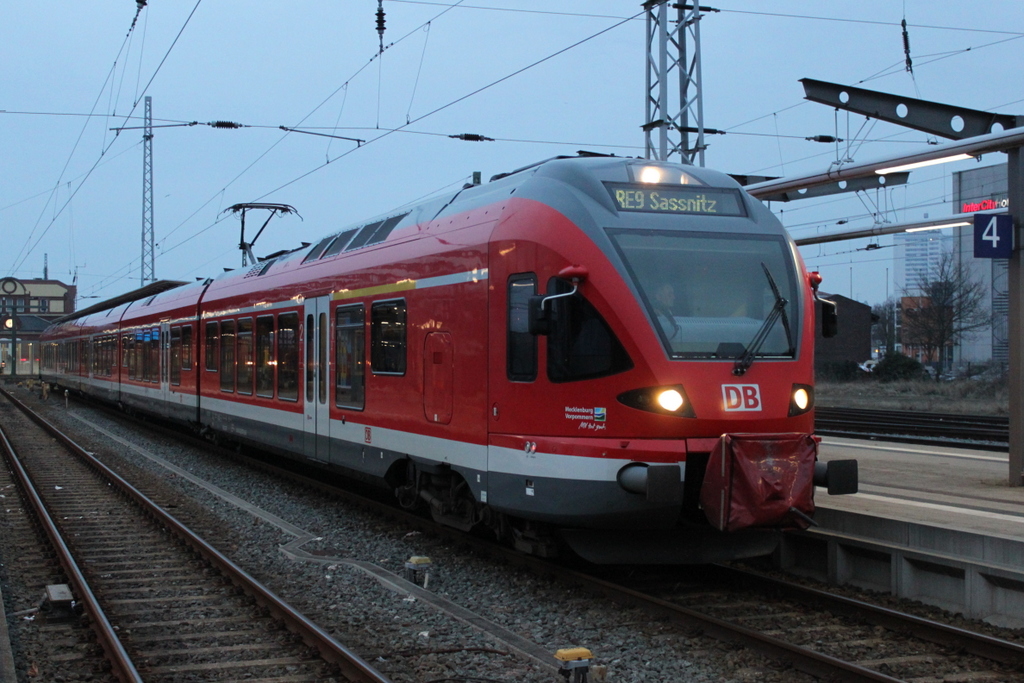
(315, 252)
(260, 268)
(339, 243)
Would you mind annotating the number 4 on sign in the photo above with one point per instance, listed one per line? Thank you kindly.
(993, 236)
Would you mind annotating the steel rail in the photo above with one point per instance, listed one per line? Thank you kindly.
(352, 666)
(121, 663)
(979, 644)
(944, 429)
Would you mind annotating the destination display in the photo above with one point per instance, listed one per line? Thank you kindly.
(680, 199)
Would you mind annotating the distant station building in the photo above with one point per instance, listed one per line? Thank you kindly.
(983, 189)
(853, 342)
(33, 304)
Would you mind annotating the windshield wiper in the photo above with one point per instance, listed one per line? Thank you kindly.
(746, 359)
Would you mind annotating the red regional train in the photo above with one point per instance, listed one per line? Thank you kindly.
(609, 353)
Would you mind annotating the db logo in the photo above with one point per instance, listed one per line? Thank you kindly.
(741, 397)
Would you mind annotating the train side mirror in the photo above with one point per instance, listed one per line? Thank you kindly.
(539, 321)
(829, 318)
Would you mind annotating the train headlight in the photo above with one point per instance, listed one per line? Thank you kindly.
(664, 400)
(671, 400)
(801, 399)
(650, 174)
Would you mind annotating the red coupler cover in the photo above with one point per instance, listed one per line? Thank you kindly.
(754, 480)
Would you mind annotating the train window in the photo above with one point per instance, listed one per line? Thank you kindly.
(310, 361)
(364, 236)
(125, 346)
(315, 252)
(339, 243)
(581, 345)
(174, 363)
(153, 355)
(350, 357)
(227, 355)
(708, 294)
(385, 229)
(243, 344)
(521, 361)
(265, 356)
(186, 347)
(288, 356)
(388, 337)
(210, 350)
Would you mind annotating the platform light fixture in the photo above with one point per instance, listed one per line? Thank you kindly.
(939, 227)
(922, 164)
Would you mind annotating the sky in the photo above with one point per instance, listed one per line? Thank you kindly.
(540, 78)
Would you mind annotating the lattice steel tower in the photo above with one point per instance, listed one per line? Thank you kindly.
(148, 268)
(672, 117)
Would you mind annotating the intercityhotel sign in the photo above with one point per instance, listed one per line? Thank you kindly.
(985, 205)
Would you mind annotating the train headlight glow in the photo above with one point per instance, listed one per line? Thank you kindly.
(664, 400)
(650, 174)
(671, 400)
(801, 399)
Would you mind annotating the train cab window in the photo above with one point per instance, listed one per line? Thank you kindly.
(521, 362)
(265, 356)
(388, 337)
(581, 345)
(186, 347)
(174, 362)
(350, 357)
(288, 356)
(227, 355)
(210, 350)
(243, 359)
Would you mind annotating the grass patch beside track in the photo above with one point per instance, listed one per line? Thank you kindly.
(962, 397)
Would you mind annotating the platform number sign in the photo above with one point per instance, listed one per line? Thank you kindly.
(993, 236)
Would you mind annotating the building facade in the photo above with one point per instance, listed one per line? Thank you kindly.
(34, 304)
(983, 189)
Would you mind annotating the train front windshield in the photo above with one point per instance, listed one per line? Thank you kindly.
(710, 294)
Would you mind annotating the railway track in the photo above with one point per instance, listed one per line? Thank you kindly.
(976, 431)
(164, 604)
(809, 631)
(875, 643)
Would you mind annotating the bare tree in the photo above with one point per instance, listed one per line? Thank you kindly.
(950, 306)
(883, 329)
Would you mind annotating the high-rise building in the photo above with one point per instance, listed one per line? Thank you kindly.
(983, 189)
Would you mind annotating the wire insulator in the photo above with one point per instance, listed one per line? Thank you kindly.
(380, 23)
(824, 138)
(906, 46)
(472, 137)
(224, 124)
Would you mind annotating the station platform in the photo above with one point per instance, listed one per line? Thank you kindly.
(937, 524)
(949, 487)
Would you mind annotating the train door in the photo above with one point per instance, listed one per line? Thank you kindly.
(438, 377)
(316, 331)
(165, 361)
